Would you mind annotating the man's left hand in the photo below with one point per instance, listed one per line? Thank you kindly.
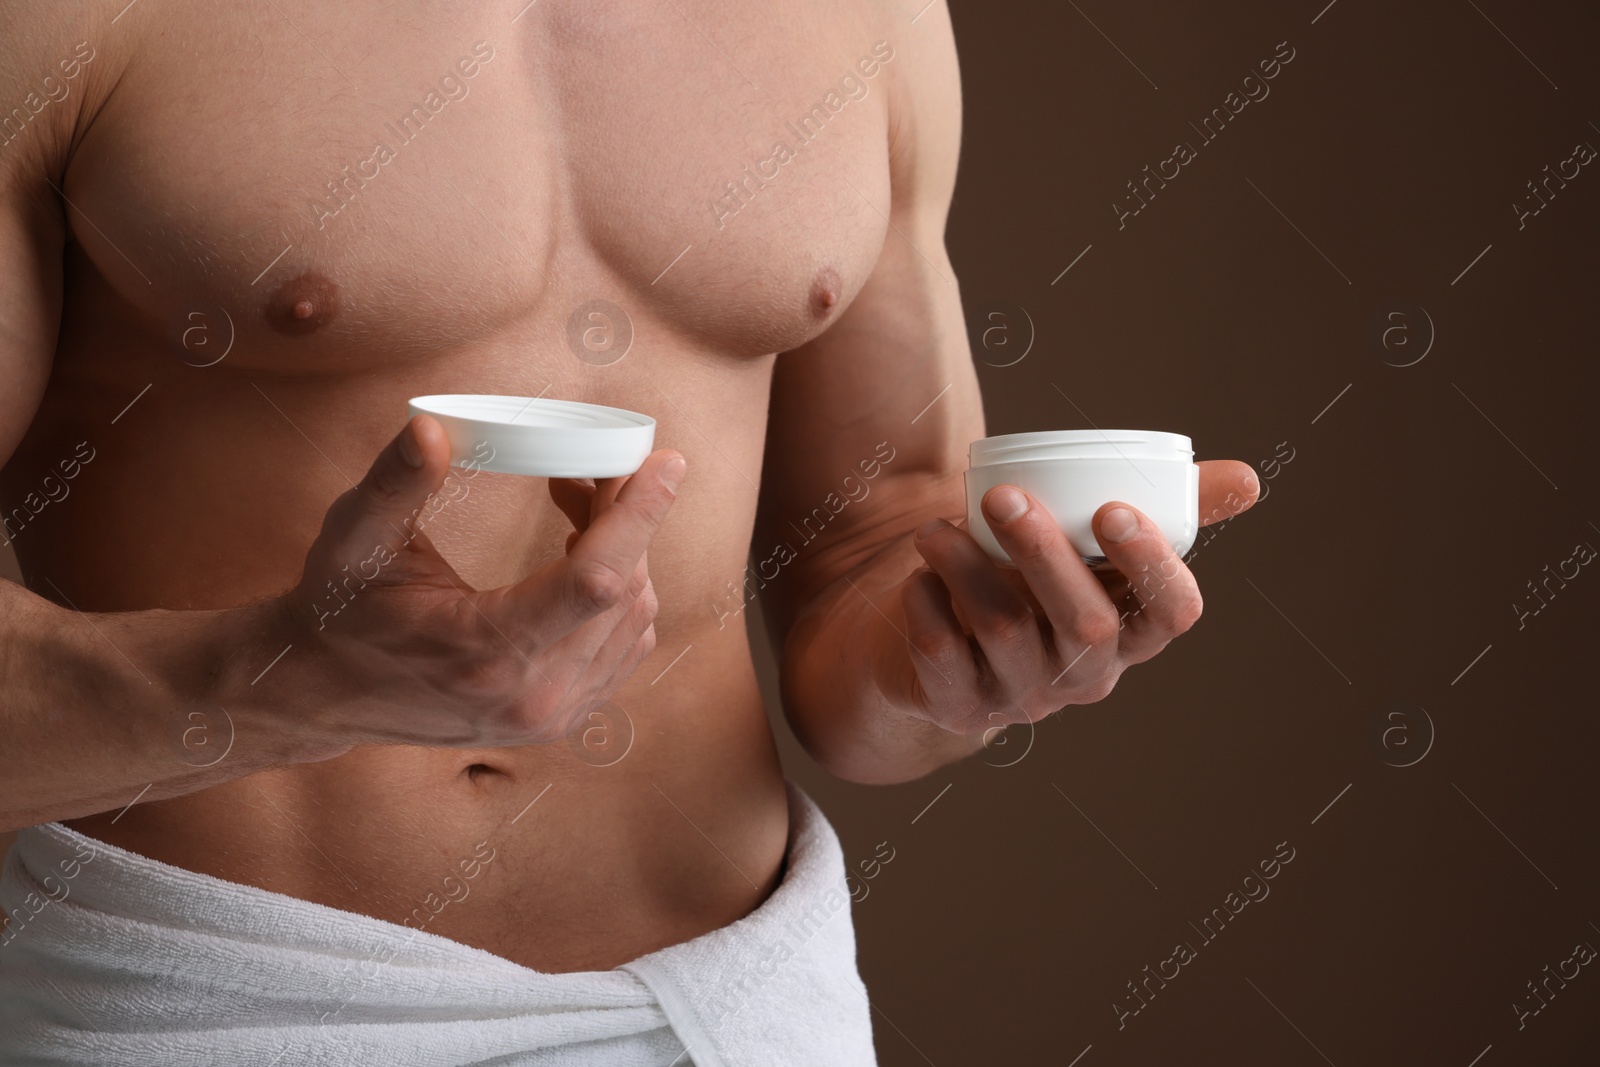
(992, 646)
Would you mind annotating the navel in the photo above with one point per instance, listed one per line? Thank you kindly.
(304, 303)
(825, 292)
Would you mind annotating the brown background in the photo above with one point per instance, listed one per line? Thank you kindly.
(1397, 540)
(1391, 547)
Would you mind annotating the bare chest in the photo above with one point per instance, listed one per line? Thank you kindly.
(355, 185)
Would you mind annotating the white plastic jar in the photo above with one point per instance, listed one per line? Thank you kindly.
(1074, 472)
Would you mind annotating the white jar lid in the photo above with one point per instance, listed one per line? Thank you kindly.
(536, 436)
(1080, 444)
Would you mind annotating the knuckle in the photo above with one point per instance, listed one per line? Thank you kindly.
(935, 648)
(384, 486)
(1006, 715)
(1041, 705)
(649, 507)
(639, 581)
(929, 647)
(1188, 612)
(1014, 625)
(1096, 689)
(1035, 539)
(596, 587)
(648, 604)
(1145, 653)
(1097, 627)
(972, 722)
(1102, 689)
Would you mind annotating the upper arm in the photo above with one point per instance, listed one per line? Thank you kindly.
(31, 236)
(869, 423)
(39, 107)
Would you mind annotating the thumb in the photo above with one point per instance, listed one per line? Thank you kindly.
(390, 505)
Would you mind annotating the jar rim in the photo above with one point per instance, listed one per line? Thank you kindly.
(1012, 447)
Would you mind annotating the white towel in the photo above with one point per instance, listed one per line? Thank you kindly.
(116, 958)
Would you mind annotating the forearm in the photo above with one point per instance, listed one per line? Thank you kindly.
(95, 708)
(844, 654)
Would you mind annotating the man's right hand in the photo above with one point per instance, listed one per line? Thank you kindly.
(414, 655)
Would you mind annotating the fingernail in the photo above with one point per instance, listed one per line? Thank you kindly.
(1006, 504)
(1118, 525)
(672, 473)
(1253, 486)
(409, 451)
(930, 527)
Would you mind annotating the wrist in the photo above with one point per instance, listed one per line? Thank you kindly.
(265, 668)
(850, 689)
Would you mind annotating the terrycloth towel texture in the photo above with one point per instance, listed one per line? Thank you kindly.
(116, 958)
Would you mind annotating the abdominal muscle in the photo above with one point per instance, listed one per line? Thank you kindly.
(551, 856)
(662, 818)
(545, 855)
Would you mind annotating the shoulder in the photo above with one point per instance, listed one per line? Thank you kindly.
(924, 106)
(56, 63)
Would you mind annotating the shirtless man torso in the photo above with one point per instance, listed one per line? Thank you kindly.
(360, 203)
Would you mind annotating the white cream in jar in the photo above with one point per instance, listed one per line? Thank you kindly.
(1073, 472)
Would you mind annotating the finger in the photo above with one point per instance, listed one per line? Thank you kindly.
(640, 652)
(606, 489)
(1227, 487)
(618, 652)
(941, 653)
(390, 504)
(1169, 597)
(605, 494)
(636, 656)
(598, 573)
(577, 649)
(1002, 620)
(1081, 615)
(572, 496)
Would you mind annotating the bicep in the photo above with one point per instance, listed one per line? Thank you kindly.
(869, 423)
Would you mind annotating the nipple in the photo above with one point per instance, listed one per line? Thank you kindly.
(825, 292)
(303, 304)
